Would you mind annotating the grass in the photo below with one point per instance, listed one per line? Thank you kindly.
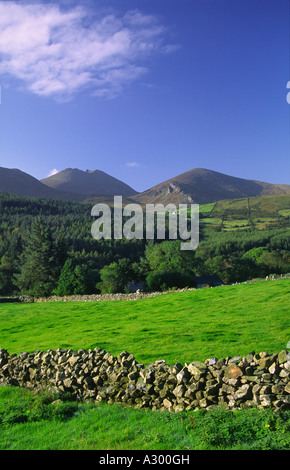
(178, 327)
(208, 220)
(39, 422)
(206, 208)
(260, 206)
(284, 212)
(232, 215)
(238, 214)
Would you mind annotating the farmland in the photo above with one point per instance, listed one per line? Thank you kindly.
(257, 213)
(178, 327)
(185, 326)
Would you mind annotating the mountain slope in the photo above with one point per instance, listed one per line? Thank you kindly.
(14, 181)
(88, 183)
(202, 186)
(198, 186)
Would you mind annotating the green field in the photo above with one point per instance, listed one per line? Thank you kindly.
(38, 422)
(244, 213)
(178, 327)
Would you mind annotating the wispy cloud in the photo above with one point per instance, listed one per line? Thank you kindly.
(57, 51)
(134, 165)
(52, 172)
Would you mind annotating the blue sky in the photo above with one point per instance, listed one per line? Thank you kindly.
(146, 89)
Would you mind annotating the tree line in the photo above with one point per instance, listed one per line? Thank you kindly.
(46, 247)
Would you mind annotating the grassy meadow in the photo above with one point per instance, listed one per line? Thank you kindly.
(38, 422)
(178, 326)
(259, 212)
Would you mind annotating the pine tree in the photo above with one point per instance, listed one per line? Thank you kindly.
(73, 279)
(6, 270)
(39, 266)
(66, 280)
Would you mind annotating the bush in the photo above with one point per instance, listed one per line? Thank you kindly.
(157, 281)
(115, 277)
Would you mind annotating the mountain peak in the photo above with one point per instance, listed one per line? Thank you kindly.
(89, 182)
(202, 186)
(15, 181)
(199, 186)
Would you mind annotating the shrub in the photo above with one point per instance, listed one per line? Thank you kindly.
(169, 279)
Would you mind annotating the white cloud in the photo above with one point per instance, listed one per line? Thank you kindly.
(52, 172)
(57, 52)
(134, 164)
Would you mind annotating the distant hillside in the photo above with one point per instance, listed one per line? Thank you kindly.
(89, 183)
(259, 213)
(203, 186)
(14, 181)
(198, 186)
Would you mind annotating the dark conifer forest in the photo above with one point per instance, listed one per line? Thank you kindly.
(46, 247)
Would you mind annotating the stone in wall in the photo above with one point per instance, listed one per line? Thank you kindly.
(260, 380)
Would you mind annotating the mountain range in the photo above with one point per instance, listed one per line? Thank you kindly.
(199, 186)
(202, 186)
(88, 183)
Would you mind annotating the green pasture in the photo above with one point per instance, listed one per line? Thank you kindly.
(243, 213)
(178, 327)
(284, 212)
(39, 422)
(206, 208)
(259, 206)
(211, 220)
(263, 223)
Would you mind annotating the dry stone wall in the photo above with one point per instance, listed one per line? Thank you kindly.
(102, 297)
(260, 380)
